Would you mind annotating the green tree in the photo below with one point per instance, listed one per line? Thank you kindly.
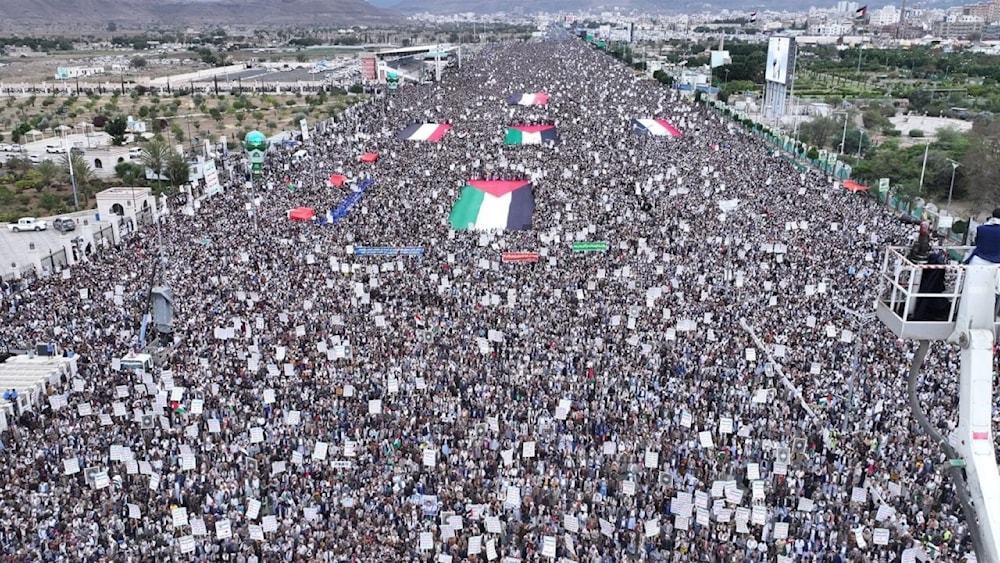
(820, 132)
(116, 127)
(138, 62)
(177, 171)
(50, 202)
(82, 175)
(981, 164)
(155, 155)
(130, 173)
(46, 174)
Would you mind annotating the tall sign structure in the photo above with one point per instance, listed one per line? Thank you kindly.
(778, 76)
(255, 144)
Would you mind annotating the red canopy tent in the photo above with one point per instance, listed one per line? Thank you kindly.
(854, 187)
(337, 180)
(369, 157)
(302, 214)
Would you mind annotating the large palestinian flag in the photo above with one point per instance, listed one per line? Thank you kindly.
(494, 204)
(530, 134)
(430, 132)
(655, 127)
(536, 99)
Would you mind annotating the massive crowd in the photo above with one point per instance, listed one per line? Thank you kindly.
(598, 407)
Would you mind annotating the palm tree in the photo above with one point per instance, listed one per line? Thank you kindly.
(46, 174)
(178, 171)
(155, 155)
(82, 174)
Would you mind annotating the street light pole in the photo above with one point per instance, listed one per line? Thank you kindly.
(862, 319)
(954, 166)
(843, 137)
(861, 140)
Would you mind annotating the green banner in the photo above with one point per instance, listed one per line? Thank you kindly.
(600, 246)
(257, 170)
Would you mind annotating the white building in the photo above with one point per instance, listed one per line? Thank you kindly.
(830, 29)
(33, 376)
(102, 160)
(69, 72)
(887, 15)
(848, 7)
(125, 207)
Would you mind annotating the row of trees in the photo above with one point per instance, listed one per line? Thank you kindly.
(51, 181)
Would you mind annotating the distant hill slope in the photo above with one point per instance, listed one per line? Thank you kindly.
(210, 12)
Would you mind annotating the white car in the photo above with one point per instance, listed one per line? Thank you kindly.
(54, 149)
(4, 147)
(34, 159)
(28, 224)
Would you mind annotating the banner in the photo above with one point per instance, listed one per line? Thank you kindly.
(340, 212)
(519, 257)
(600, 246)
(212, 185)
(388, 251)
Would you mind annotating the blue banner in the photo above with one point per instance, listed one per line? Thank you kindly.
(340, 212)
(388, 251)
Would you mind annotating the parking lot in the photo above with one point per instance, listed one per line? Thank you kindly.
(19, 250)
(38, 150)
(341, 71)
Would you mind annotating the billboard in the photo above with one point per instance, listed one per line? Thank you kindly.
(778, 59)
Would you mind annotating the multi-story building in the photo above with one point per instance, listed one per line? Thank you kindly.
(959, 27)
(887, 15)
(847, 7)
(989, 11)
(828, 29)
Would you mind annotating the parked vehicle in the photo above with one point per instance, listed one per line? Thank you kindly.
(28, 224)
(54, 149)
(34, 158)
(64, 225)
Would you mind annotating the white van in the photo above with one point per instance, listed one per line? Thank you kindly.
(140, 362)
(54, 149)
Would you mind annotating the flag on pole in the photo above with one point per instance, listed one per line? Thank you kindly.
(753, 17)
(861, 12)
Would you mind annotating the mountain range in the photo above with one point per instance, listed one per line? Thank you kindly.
(268, 13)
(210, 12)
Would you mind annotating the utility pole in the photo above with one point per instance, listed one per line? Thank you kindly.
(902, 19)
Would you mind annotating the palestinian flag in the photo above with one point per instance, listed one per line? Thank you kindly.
(289, 184)
(861, 12)
(655, 127)
(430, 132)
(177, 407)
(494, 204)
(753, 17)
(531, 134)
(536, 99)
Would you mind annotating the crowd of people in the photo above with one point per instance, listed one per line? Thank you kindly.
(319, 405)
